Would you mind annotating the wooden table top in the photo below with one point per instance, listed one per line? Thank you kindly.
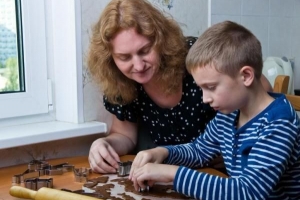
(67, 180)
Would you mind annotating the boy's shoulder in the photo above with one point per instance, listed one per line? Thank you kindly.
(280, 108)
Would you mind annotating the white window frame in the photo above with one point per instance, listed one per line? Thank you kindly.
(64, 60)
(34, 100)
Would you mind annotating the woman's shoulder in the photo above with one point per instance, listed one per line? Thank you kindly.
(189, 85)
(188, 78)
(122, 112)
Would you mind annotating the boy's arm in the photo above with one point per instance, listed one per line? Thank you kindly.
(198, 153)
(266, 160)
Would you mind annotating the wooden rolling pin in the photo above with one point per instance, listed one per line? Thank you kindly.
(46, 194)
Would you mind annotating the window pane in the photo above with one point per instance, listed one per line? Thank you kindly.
(11, 62)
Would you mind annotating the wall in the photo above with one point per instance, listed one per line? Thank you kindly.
(93, 108)
(276, 23)
(48, 150)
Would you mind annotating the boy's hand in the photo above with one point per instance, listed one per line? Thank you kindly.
(156, 155)
(151, 173)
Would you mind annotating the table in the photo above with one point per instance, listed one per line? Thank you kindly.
(66, 180)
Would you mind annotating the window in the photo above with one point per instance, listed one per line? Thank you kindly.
(11, 51)
(52, 63)
(23, 58)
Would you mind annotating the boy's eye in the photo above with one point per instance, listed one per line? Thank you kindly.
(211, 87)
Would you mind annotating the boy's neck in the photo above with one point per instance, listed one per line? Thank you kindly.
(258, 101)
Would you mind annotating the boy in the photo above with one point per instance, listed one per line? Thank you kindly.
(257, 133)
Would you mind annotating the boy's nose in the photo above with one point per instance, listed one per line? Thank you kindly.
(206, 98)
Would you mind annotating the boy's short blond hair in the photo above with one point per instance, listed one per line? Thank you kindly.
(228, 47)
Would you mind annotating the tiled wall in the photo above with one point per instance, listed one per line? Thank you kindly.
(276, 23)
(93, 107)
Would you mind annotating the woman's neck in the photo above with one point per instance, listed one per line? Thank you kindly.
(159, 96)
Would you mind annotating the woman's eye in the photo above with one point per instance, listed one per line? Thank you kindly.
(145, 51)
(123, 58)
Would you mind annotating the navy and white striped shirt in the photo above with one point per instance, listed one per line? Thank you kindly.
(262, 157)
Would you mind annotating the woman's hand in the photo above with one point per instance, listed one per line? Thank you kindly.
(104, 152)
(102, 157)
(155, 155)
(151, 173)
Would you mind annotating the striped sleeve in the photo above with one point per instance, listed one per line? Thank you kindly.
(267, 158)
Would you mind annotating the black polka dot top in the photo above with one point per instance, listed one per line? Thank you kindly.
(180, 124)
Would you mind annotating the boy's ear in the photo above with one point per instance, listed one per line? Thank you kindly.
(247, 74)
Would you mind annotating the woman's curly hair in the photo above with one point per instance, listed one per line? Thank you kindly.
(162, 30)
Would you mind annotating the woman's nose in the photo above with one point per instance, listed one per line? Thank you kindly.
(138, 63)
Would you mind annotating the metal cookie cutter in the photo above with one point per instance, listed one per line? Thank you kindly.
(59, 169)
(20, 178)
(145, 189)
(35, 169)
(81, 174)
(36, 184)
(38, 165)
(124, 168)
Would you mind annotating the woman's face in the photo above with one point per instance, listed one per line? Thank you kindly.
(135, 56)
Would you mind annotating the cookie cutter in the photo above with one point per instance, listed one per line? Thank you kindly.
(124, 168)
(36, 168)
(37, 183)
(146, 189)
(59, 169)
(81, 174)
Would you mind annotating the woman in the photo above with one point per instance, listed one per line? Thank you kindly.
(137, 56)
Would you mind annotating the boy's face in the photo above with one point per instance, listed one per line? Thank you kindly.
(221, 91)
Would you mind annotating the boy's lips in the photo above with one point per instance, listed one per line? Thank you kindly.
(215, 108)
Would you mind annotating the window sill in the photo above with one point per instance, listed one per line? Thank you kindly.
(26, 134)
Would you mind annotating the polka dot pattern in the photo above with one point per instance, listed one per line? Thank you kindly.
(180, 124)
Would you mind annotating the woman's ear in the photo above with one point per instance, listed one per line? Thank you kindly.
(247, 74)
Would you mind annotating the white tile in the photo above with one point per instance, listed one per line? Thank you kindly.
(279, 36)
(295, 45)
(220, 18)
(295, 37)
(281, 8)
(255, 7)
(258, 25)
(296, 5)
(226, 7)
(193, 17)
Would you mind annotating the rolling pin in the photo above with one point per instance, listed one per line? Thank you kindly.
(46, 194)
